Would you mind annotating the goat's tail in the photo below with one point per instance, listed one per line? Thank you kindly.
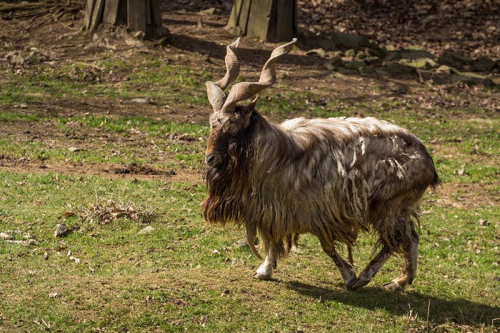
(435, 181)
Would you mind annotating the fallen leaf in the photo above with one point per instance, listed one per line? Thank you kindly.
(69, 214)
(483, 223)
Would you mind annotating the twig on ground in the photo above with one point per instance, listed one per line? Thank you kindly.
(428, 314)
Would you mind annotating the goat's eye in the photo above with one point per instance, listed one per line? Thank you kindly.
(232, 127)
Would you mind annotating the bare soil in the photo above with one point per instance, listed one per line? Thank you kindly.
(110, 171)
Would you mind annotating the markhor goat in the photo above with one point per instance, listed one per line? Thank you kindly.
(329, 177)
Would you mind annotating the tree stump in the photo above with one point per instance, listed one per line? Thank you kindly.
(137, 15)
(267, 20)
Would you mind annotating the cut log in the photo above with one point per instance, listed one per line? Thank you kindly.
(88, 13)
(264, 19)
(245, 13)
(258, 20)
(238, 21)
(136, 15)
(96, 15)
(235, 14)
(148, 12)
(122, 13)
(285, 19)
(156, 13)
(111, 10)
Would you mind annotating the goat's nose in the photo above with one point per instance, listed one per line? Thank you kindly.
(211, 159)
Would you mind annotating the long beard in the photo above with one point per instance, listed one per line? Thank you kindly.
(229, 184)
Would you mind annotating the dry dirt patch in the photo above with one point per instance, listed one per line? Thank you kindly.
(128, 172)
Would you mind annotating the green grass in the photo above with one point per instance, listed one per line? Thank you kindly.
(470, 139)
(188, 275)
(110, 78)
(165, 144)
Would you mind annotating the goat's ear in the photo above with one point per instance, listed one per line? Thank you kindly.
(251, 107)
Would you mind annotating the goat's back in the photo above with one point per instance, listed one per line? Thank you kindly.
(349, 167)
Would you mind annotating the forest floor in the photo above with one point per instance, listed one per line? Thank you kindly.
(108, 135)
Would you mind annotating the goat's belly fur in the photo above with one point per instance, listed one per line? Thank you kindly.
(329, 177)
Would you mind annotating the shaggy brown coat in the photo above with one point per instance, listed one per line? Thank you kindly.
(328, 177)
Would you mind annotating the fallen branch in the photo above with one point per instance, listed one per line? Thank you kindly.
(43, 12)
(39, 24)
(55, 16)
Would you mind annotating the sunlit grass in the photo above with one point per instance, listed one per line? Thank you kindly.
(190, 276)
(187, 275)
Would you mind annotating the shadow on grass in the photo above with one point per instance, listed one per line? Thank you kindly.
(256, 57)
(246, 56)
(459, 311)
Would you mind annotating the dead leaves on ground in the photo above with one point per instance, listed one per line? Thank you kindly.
(105, 211)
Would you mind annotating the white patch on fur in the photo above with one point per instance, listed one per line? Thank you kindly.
(353, 158)
(340, 167)
(363, 147)
(291, 123)
(400, 170)
(395, 145)
(414, 156)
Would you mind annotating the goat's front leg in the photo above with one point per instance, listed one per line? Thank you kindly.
(265, 271)
(345, 269)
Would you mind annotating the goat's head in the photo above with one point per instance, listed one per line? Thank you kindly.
(229, 121)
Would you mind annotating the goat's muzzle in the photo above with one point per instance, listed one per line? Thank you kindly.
(213, 159)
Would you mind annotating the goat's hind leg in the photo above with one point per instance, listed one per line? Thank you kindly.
(408, 243)
(409, 246)
(345, 269)
(370, 270)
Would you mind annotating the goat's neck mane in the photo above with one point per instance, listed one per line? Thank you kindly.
(229, 184)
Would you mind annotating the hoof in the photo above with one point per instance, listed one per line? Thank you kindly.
(350, 281)
(259, 276)
(358, 283)
(394, 285)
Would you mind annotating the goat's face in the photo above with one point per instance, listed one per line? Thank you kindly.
(226, 130)
(229, 121)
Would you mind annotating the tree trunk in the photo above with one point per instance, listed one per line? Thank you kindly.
(137, 15)
(267, 20)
